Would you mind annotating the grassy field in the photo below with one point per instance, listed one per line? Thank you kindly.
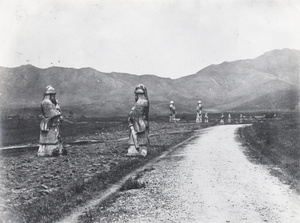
(37, 189)
(26, 131)
(276, 143)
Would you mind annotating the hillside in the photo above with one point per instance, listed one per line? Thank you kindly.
(268, 81)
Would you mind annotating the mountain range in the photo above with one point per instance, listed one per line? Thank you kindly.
(268, 82)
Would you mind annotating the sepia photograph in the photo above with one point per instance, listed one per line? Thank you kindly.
(150, 111)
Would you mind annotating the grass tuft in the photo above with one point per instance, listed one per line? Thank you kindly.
(133, 183)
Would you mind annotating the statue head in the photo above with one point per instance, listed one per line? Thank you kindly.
(140, 90)
(199, 102)
(172, 102)
(50, 92)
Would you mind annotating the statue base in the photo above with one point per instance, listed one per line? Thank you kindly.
(198, 120)
(132, 151)
(52, 150)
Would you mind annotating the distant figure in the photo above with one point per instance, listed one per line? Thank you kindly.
(138, 123)
(222, 119)
(199, 112)
(50, 139)
(229, 118)
(172, 112)
(241, 118)
(206, 118)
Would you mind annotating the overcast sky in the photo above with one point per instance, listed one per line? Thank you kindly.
(166, 38)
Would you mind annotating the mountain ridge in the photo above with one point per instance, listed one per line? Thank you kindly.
(225, 86)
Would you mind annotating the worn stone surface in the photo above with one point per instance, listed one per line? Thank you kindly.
(50, 138)
(241, 119)
(222, 119)
(206, 118)
(229, 118)
(199, 112)
(172, 112)
(139, 123)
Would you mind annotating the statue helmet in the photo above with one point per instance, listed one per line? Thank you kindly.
(50, 90)
(171, 102)
(199, 102)
(140, 89)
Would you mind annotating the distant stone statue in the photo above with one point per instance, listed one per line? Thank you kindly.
(172, 112)
(241, 118)
(206, 118)
(199, 112)
(222, 119)
(229, 118)
(138, 123)
(50, 139)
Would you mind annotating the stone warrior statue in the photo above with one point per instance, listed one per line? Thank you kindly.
(199, 112)
(50, 139)
(138, 123)
(229, 118)
(241, 118)
(222, 119)
(206, 118)
(172, 112)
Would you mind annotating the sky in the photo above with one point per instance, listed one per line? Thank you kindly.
(167, 38)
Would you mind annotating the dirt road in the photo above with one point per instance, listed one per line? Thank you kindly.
(208, 180)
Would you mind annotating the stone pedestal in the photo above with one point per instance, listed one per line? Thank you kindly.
(132, 151)
(52, 150)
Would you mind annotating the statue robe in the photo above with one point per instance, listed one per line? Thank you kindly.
(199, 114)
(172, 113)
(138, 123)
(50, 139)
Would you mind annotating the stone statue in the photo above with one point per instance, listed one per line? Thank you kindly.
(139, 123)
(229, 118)
(172, 112)
(199, 112)
(206, 118)
(241, 118)
(222, 119)
(50, 139)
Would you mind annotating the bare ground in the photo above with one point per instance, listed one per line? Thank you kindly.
(44, 189)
